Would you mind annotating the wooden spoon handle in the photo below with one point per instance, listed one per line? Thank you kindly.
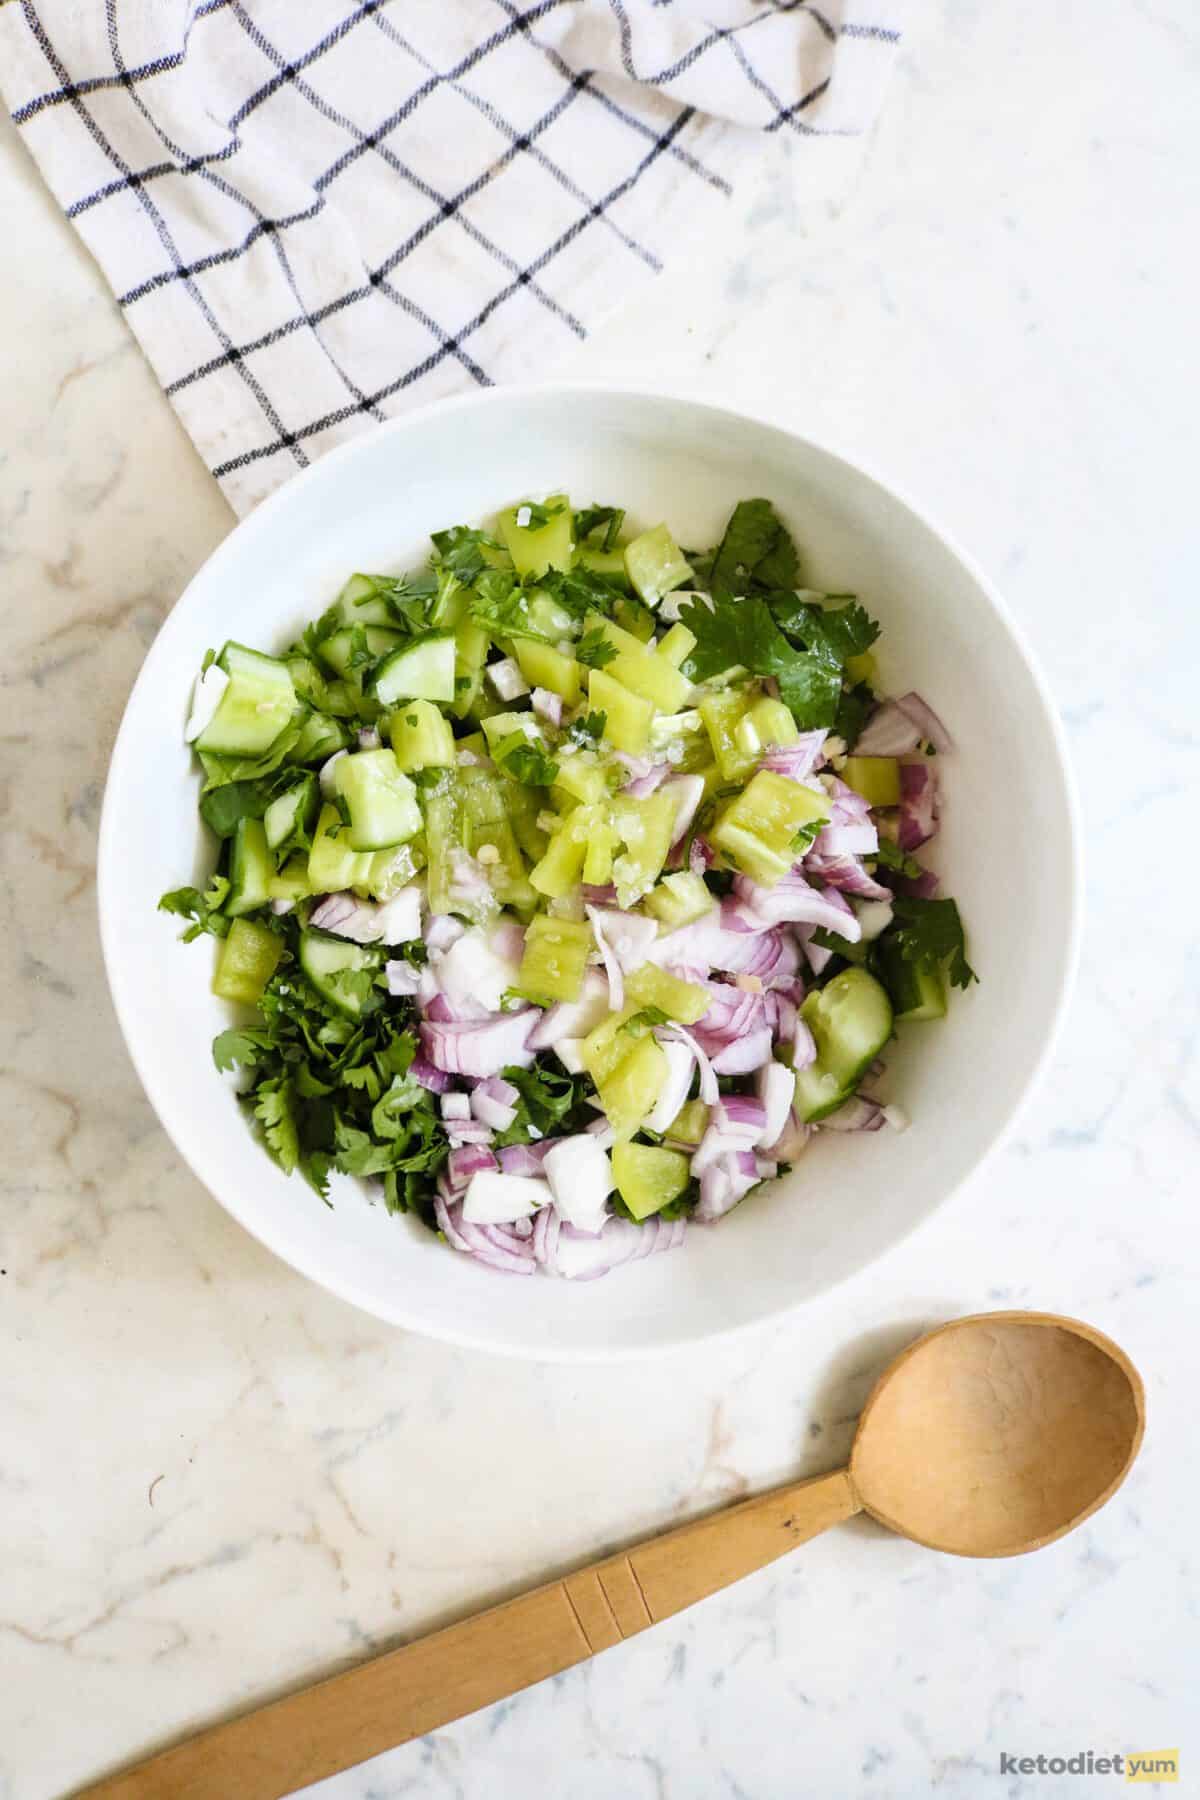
(348, 1718)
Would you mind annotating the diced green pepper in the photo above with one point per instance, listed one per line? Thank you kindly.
(656, 564)
(626, 715)
(876, 778)
(677, 645)
(684, 1001)
(249, 957)
(757, 828)
(678, 899)
(640, 669)
(646, 827)
(555, 958)
(545, 667)
(421, 736)
(536, 548)
(648, 1178)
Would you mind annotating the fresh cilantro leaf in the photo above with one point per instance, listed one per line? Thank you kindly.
(591, 518)
(460, 550)
(547, 1100)
(579, 591)
(755, 552)
(846, 630)
(204, 909)
(240, 1049)
(525, 761)
(274, 1108)
(594, 650)
(210, 657)
(388, 1115)
(538, 515)
(588, 731)
(639, 1023)
(893, 857)
(929, 934)
(224, 807)
(501, 606)
(743, 633)
(853, 710)
(806, 836)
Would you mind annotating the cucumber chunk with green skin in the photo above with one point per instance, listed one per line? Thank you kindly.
(471, 645)
(332, 964)
(536, 548)
(339, 650)
(251, 867)
(249, 957)
(362, 601)
(421, 737)
(609, 564)
(255, 707)
(818, 1093)
(655, 564)
(380, 798)
(291, 817)
(320, 736)
(420, 670)
(648, 1178)
(332, 862)
(291, 882)
(851, 1021)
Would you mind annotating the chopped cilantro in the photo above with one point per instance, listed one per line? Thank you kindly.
(756, 552)
(639, 1023)
(525, 761)
(204, 909)
(929, 934)
(893, 857)
(594, 649)
(587, 731)
(743, 633)
(591, 518)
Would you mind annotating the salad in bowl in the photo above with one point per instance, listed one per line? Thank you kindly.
(568, 885)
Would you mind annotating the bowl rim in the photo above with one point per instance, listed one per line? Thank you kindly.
(108, 861)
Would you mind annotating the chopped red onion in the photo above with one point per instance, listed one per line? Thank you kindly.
(597, 895)
(723, 1183)
(918, 805)
(793, 901)
(403, 979)
(890, 731)
(776, 1089)
(797, 761)
(523, 1159)
(859, 839)
(490, 1108)
(676, 1087)
(847, 805)
(468, 1131)
(790, 1144)
(847, 874)
(496, 1247)
(710, 1093)
(741, 1116)
(701, 856)
(443, 930)
(858, 1114)
(804, 1045)
(639, 786)
(874, 916)
(583, 1256)
(687, 792)
(623, 938)
(546, 1227)
(466, 1162)
(455, 1106)
(927, 723)
(483, 1048)
(506, 679)
(280, 907)
(573, 1018)
(745, 1055)
(334, 910)
(424, 1073)
(442, 1011)
(547, 706)
(368, 738)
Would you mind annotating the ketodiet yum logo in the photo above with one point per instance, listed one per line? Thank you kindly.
(1130, 1765)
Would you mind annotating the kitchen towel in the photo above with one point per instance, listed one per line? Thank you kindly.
(315, 213)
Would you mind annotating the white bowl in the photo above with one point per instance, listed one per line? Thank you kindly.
(1008, 851)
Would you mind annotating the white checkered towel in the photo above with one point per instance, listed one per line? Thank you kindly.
(317, 212)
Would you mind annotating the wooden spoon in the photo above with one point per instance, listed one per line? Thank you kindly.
(991, 1436)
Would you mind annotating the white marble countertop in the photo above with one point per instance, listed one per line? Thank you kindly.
(215, 1480)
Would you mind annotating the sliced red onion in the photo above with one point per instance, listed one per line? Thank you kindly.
(776, 1089)
(927, 723)
(710, 1093)
(490, 1111)
(859, 839)
(468, 1131)
(483, 1048)
(858, 1114)
(846, 805)
(890, 731)
(445, 1212)
(547, 706)
(280, 907)
(455, 1106)
(730, 942)
(782, 1012)
(328, 774)
(723, 1183)
(582, 1256)
(639, 786)
(793, 901)
(797, 761)
(368, 738)
(573, 1018)
(918, 804)
(496, 1247)
(745, 1055)
(701, 856)
(436, 1080)
(637, 766)
(462, 1164)
(847, 874)
(624, 939)
(546, 1227)
(742, 1116)
(523, 1159)
(334, 910)
(687, 791)
(441, 1010)
(404, 981)
(443, 930)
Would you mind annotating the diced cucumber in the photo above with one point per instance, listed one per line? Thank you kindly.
(876, 778)
(249, 957)
(917, 993)
(320, 736)
(251, 867)
(443, 836)
(756, 830)
(545, 667)
(534, 549)
(689, 1124)
(555, 958)
(648, 1178)
(332, 863)
(768, 722)
(381, 799)
(501, 725)
(307, 680)
(681, 1000)
(677, 645)
(394, 869)
(641, 669)
(679, 899)
(630, 1090)
(471, 645)
(290, 818)
(328, 961)
(421, 736)
(626, 716)
(818, 1093)
(337, 651)
(362, 601)
(602, 842)
(488, 834)
(255, 707)
(608, 564)
(851, 1020)
(290, 882)
(550, 618)
(656, 564)
(634, 618)
(422, 669)
(684, 739)
(723, 714)
(646, 826)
